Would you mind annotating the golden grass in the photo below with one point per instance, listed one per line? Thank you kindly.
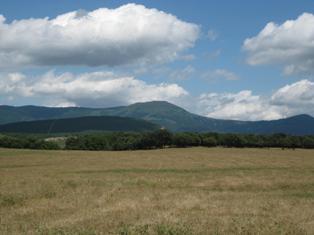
(163, 192)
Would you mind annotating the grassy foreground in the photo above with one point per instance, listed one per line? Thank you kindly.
(162, 192)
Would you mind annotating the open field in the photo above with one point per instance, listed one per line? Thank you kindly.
(170, 191)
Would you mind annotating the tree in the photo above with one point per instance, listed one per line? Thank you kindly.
(308, 142)
(209, 141)
(232, 140)
(162, 138)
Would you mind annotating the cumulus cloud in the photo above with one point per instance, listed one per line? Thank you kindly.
(98, 89)
(14, 84)
(293, 99)
(289, 44)
(296, 98)
(104, 37)
(238, 106)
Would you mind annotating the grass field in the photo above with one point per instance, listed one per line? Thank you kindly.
(162, 192)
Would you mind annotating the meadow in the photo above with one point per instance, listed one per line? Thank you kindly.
(163, 192)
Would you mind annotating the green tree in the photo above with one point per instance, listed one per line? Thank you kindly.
(209, 141)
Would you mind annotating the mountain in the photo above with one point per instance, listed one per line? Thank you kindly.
(297, 125)
(164, 114)
(81, 124)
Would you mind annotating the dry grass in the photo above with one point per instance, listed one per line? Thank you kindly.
(163, 192)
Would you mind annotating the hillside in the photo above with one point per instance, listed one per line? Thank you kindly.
(82, 124)
(164, 114)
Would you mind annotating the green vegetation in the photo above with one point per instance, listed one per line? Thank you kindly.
(183, 191)
(80, 124)
(155, 140)
(26, 142)
(163, 138)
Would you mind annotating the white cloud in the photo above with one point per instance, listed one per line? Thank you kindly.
(290, 100)
(289, 44)
(295, 98)
(239, 106)
(13, 84)
(220, 74)
(182, 74)
(126, 35)
(98, 89)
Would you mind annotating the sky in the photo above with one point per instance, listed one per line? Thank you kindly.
(242, 60)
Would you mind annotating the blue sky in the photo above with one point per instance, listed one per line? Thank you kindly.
(217, 76)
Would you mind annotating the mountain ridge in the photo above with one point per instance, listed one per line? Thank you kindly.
(166, 115)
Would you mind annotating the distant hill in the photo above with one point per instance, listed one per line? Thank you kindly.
(159, 112)
(164, 114)
(81, 124)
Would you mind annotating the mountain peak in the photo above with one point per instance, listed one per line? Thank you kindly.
(155, 106)
(302, 117)
(155, 102)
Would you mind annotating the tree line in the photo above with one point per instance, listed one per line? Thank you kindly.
(27, 142)
(164, 138)
(158, 139)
